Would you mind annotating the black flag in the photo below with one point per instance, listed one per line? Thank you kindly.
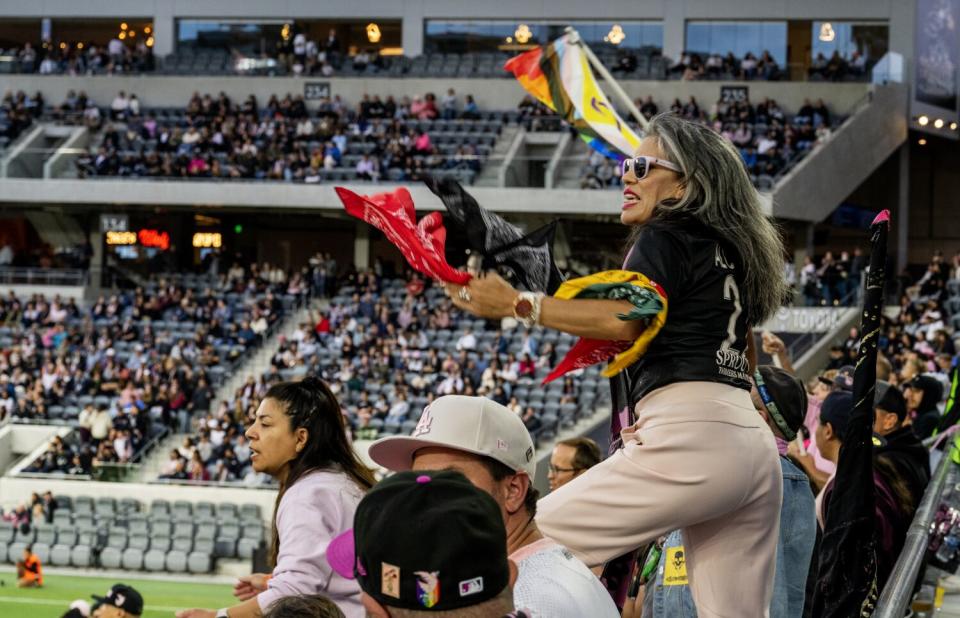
(527, 259)
(847, 575)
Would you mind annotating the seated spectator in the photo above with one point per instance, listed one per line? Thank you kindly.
(458, 533)
(489, 444)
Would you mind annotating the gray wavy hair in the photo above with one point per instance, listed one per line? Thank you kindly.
(719, 193)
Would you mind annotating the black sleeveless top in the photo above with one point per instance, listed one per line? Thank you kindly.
(704, 338)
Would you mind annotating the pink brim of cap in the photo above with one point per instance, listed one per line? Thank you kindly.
(342, 554)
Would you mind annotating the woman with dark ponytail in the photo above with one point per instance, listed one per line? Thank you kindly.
(299, 438)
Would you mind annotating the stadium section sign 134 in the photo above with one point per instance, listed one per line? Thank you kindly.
(316, 90)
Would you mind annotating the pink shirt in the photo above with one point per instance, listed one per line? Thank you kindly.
(314, 510)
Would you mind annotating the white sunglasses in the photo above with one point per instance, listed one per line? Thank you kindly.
(640, 166)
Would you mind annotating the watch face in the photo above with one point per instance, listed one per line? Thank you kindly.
(523, 308)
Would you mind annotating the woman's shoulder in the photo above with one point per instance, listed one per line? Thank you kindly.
(321, 486)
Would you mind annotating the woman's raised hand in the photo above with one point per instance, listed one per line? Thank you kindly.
(488, 295)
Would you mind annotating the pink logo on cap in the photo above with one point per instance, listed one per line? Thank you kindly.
(423, 427)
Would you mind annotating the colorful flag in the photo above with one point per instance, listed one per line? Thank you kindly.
(559, 76)
(423, 245)
(649, 301)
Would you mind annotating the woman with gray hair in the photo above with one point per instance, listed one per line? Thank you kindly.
(695, 455)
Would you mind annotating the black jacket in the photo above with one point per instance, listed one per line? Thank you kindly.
(909, 458)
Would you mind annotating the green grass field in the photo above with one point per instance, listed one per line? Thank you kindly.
(161, 598)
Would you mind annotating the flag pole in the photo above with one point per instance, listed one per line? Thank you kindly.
(574, 38)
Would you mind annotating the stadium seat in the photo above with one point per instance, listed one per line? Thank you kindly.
(154, 560)
(117, 539)
(225, 548)
(199, 562)
(176, 561)
(60, 555)
(227, 510)
(15, 551)
(182, 509)
(246, 547)
(62, 517)
(252, 530)
(139, 541)
(7, 532)
(205, 509)
(129, 505)
(161, 527)
(183, 543)
(66, 535)
(138, 524)
(183, 527)
(46, 534)
(80, 556)
(111, 558)
(132, 559)
(42, 550)
(161, 543)
(159, 507)
(106, 506)
(83, 505)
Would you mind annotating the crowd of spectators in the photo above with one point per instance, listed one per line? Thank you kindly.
(389, 346)
(17, 112)
(215, 137)
(38, 510)
(693, 65)
(767, 137)
(84, 57)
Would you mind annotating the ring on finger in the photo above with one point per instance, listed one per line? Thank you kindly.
(465, 295)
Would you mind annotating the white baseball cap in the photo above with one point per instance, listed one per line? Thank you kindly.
(472, 424)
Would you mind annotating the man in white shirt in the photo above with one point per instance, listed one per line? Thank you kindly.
(118, 108)
(467, 342)
(489, 444)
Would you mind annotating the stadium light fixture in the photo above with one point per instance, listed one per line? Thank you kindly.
(373, 32)
(122, 36)
(923, 120)
(523, 34)
(147, 30)
(922, 141)
(938, 123)
(132, 33)
(80, 45)
(616, 35)
(953, 126)
(123, 26)
(827, 33)
(150, 42)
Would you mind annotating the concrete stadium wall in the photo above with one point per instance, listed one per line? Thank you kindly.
(491, 94)
(24, 291)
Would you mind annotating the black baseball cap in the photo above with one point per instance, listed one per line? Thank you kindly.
(890, 399)
(123, 597)
(784, 397)
(426, 541)
(843, 380)
(836, 410)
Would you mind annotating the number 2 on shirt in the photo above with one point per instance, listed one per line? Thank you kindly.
(731, 292)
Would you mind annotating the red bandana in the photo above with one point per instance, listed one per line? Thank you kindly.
(421, 244)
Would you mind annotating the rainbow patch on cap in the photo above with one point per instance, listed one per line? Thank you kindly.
(428, 588)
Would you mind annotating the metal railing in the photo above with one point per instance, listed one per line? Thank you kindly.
(43, 276)
(896, 594)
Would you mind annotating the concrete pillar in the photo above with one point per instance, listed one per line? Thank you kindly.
(674, 30)
(361, 246)
(97, 259)
(164, 31)
(902, 217)
(412, 29)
